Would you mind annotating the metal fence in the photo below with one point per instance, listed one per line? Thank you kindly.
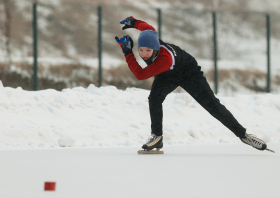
(61, 45)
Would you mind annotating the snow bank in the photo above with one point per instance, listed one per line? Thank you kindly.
(106, 116)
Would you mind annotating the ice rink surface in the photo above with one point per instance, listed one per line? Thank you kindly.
(194, 171)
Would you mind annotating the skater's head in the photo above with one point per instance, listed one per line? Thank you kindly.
(149, 38)
(148, 44)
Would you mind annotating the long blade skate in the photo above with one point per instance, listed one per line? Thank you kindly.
(270, 150)
(145, 151)
(255, 142)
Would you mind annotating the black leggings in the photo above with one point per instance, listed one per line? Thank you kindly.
(198, 87)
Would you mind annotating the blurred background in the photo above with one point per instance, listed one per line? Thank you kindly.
(57, 44)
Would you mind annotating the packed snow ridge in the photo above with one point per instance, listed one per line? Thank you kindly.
(106, 116)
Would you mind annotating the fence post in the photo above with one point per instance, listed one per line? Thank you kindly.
(7, 34)
(100, 44)
(268, 52)
(215, 51)
(159, 23)
(35, 64)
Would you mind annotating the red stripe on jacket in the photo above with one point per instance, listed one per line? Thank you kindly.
(162, 63)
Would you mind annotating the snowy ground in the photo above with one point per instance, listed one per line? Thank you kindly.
(106, 116)
(86, 140)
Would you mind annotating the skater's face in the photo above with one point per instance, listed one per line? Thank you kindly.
(145, 52)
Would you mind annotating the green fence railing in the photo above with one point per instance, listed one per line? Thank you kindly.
(207, 33)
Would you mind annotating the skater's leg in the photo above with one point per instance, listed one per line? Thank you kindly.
(160, 89)
(200, 90)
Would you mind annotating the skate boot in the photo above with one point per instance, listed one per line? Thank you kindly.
(152, 142)
(254, 142)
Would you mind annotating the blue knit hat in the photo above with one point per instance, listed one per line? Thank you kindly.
(149, 38)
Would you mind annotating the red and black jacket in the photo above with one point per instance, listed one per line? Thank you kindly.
(171, 60)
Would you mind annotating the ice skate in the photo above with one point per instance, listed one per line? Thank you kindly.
(255, 142)
(154, 142)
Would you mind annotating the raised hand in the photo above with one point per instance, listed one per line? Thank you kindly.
(126, 43)
(128, 22)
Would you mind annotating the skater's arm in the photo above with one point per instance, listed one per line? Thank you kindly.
(161, 64)
(142, 26)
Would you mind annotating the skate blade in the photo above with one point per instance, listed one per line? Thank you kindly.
(270, 150)
(150, 152)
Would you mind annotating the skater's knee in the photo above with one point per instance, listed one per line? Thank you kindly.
(156, 98)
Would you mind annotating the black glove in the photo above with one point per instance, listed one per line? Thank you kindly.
(128, 22)
(126, 44)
